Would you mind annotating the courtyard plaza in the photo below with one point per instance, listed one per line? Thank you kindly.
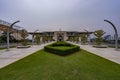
(108, 53)
(15, 54)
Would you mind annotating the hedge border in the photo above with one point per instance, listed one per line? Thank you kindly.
(51, 48)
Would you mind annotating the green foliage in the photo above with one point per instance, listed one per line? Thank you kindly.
(42, 65)
(60, 43)
(24, 34)
(37, 39)
(74, 39)
(61, 48)
(44, 38)
(77, 39)
(84, 38)
(50, 39)
(99, 34)
(70, 39)
(24, 42)
(3, 38)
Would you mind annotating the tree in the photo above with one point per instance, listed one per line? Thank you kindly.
(70, 39)
(99, 34)
(37, 39)
(44, 38)
(84, 38)
(24, 34)
(50, 38)
(76, 39)
(3, 38)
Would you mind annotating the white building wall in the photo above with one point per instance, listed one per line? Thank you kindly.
(17, 36)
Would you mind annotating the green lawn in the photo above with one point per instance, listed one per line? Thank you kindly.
(42, 65)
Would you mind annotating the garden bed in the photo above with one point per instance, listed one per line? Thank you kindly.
(23, 47)
(100, 46)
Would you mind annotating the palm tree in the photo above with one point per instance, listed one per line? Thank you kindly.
(44, 38)
(84, 38)
(37, 39)
(99, 34)
(77, 39)
(24, 34)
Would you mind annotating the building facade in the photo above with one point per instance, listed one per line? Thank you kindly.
(45, 36)
(61, 35)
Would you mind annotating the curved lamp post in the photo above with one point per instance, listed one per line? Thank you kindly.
(8, 34)
(33, 36)
(116, 34)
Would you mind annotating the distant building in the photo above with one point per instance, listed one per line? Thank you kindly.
(14, 32)
(47, 35)
(61, 35)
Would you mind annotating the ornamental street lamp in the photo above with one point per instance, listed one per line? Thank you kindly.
(116, 34)
(33, 36)
(8, 34)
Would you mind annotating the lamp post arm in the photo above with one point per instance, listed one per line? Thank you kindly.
(116, 34)
(112, 26)
(8, 32)
(14, 23)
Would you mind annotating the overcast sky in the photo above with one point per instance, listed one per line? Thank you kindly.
(51, 15)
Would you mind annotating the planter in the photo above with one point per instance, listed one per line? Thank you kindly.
(23, 46)
(100, 46)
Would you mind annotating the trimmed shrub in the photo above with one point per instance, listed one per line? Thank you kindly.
(61, 48)
(61, 43)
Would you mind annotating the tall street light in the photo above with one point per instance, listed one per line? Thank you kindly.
(116, 34)
(33, 36)
(8, 34)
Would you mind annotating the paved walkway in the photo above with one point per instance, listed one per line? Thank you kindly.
(108, 53)
(14, 54)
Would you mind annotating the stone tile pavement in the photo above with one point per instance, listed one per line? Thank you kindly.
(108, 53)
(14, 54)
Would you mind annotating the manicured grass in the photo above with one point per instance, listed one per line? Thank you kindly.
(42, 65)
(61, 47)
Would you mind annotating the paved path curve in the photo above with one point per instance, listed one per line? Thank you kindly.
(14, 54)
(108, 53)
